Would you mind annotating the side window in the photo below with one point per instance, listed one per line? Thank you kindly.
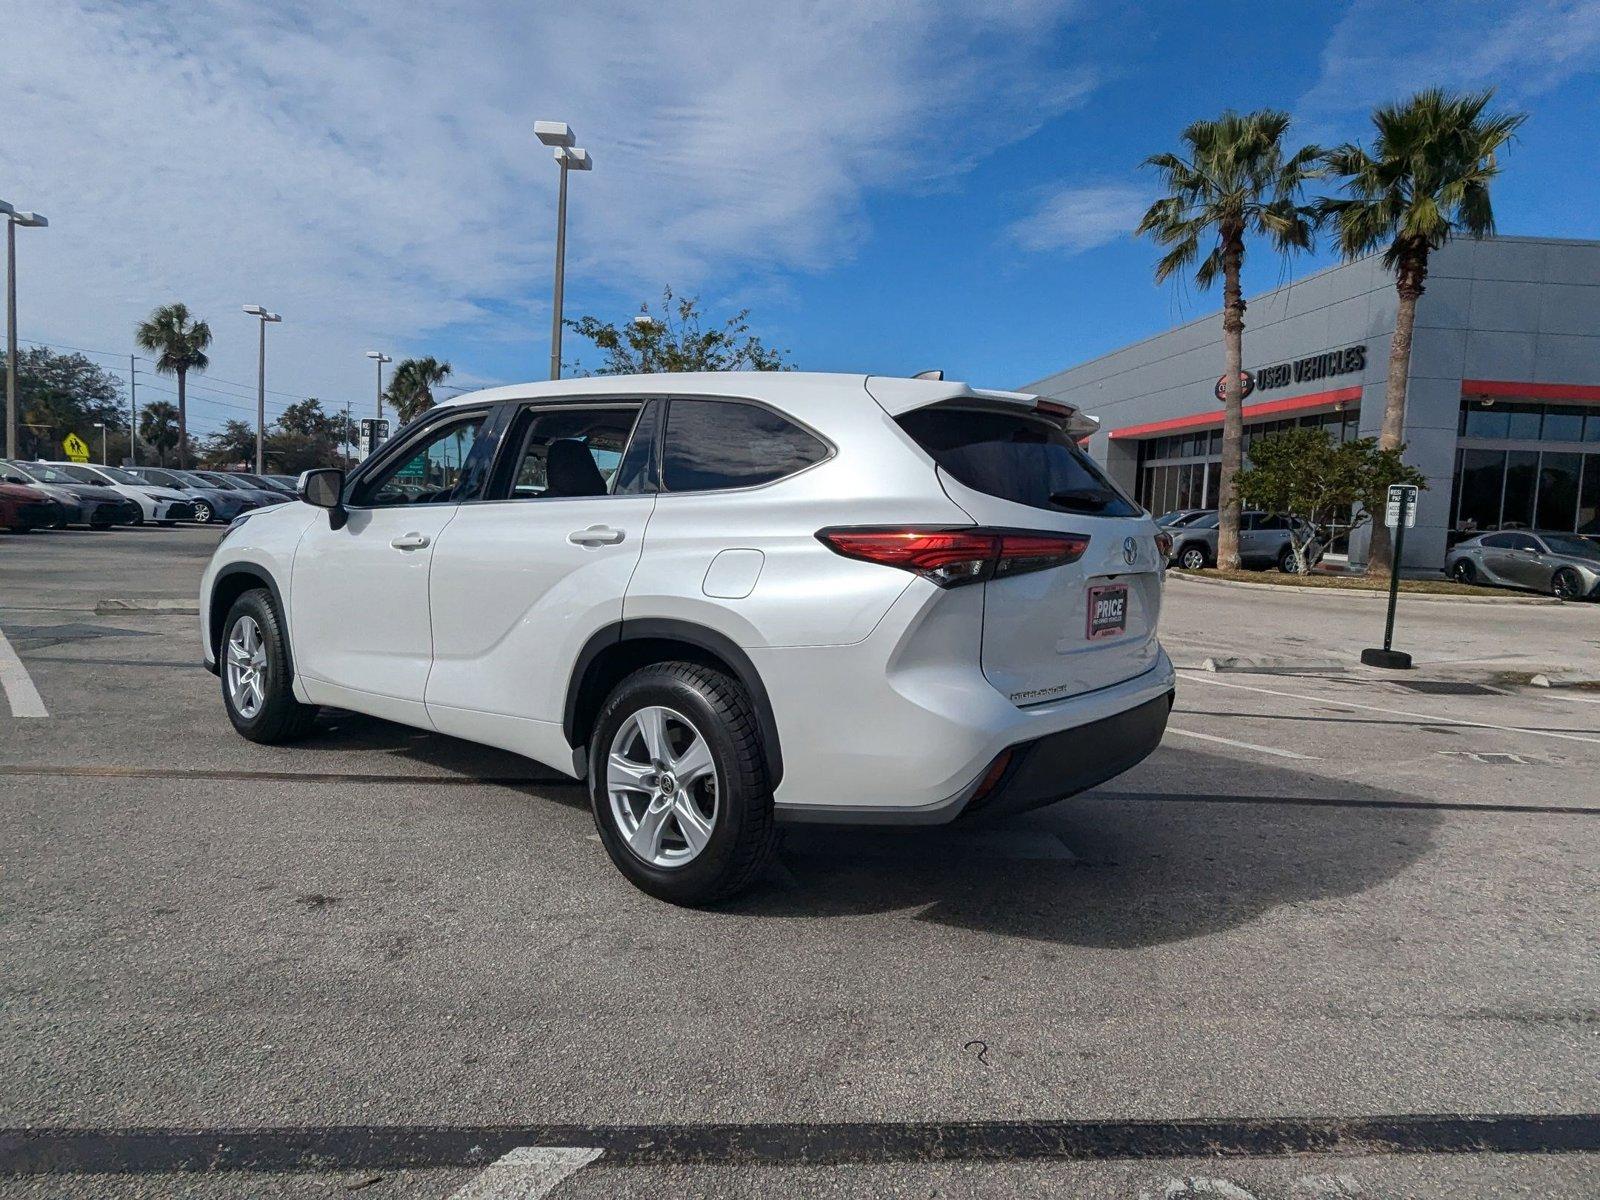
(714, 444)
(1499, 541)
(1270, 521)
(429, 472)
(637, 473)
(1521, 541)
(566, 452)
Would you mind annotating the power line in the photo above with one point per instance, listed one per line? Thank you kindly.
(249, 389)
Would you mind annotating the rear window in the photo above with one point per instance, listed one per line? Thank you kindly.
(1016, 457)
(714, 444)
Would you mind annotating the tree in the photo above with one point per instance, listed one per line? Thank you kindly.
(410, 391)
(1305, 473)
(231, 446)
(158, 427)
(677, 341)
(1236, 181)
(180, 342)
(1426, 181)
(61, 394)
(305, 436)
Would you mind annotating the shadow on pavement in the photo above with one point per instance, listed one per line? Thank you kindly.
(1109, 873)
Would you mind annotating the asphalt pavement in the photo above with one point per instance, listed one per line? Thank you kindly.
(1339, 936)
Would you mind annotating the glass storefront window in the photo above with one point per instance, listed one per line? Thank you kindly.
(1214, 483)
(1523, 421)
(1557, 506)
(1478, 421)
(1522, 468)
(1591, 425)
(1589, 496)
(1563, 423)
(1482, 478)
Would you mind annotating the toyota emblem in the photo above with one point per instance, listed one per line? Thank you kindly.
(1130, 551)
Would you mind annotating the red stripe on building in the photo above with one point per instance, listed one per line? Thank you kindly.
(1531, 391)
(1268, 408)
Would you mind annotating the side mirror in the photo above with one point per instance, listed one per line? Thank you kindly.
(324, 488)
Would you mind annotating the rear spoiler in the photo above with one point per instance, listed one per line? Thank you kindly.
(897, 396)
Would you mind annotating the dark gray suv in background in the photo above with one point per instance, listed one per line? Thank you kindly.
(1263, 541)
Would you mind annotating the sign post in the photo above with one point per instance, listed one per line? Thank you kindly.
(1400, 514)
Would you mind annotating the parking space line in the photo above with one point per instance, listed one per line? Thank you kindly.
(1211, 737)
(526, 1173)
(21, 695)
(1430, 718)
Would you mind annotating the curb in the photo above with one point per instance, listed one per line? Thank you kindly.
(1564, 679)
(1362, 593)
(117, 605)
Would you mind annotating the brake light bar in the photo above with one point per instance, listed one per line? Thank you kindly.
(951, 557)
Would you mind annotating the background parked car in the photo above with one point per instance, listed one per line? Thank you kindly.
(265, 482)
(23, 507)
(1561, 564)
(231, 482)
(1263, 541)
(1179, 517)
(210, 503)
(163, 506)
(289, 483)
(97, 505)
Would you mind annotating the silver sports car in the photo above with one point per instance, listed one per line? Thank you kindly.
(1558, 563)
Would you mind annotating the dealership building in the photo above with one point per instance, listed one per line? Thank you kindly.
(1502, 406)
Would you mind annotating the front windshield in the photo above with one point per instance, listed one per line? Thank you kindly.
(190, 479)
(1209, 521)
(162, 478)
(40, 473)
(122, 476)
(84, 475)
(1572, 547)
(222, 481)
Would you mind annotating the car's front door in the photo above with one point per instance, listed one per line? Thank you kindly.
(1531, 563)
(358, 607)
(525, 576)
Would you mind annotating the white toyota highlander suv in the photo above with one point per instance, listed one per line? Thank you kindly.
(720, 599)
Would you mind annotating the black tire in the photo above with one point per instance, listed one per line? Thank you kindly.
(744, 829)
(203, 514)
(280, 718)
(1462, 571)
(1193, 557)
(138, 518)
(1566, 584)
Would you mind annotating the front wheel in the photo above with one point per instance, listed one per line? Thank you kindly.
(1462, 571)
(1191, 558)
(1566, 585)
(1287, 563)
(255, 673)
(203, 514)
(678, 783)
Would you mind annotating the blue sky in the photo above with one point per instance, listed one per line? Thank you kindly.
(889, 186)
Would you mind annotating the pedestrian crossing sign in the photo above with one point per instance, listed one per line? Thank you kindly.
(77, 449)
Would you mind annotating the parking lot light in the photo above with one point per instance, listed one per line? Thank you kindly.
(265, 318)
(559, 136)
(379, 357)
(31, 220)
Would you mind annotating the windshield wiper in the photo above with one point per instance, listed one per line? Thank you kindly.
(1081, 499)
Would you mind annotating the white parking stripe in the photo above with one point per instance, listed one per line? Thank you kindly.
(1430, 718)
(20, 693)
(526, 1173)
(1211, 737)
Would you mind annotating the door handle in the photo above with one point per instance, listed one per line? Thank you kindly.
(595, 535)
(410, 541)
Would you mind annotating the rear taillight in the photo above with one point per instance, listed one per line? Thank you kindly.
(949, 557)
(1164, 544)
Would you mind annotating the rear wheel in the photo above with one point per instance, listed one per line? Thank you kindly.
(1192, 558)
(1566, 584)
(678, 783)
(255, 673)
(1462, 571)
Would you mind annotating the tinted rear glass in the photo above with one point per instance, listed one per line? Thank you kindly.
(711, 444)
(1016, 457)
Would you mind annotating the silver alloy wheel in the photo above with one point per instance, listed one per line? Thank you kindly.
(247, 668)
(1193, 559)
(662, 785)
(202, 512)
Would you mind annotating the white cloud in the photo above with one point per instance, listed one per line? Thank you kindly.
(368, 168)
(1383, 50)
(1080, 217)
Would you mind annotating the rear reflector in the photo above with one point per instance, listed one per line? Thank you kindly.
(950, 557)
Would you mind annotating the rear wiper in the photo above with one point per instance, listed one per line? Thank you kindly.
(1081, 499)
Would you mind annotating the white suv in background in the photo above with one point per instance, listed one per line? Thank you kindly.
(721, 600)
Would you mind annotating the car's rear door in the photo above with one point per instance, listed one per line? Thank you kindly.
(525, 576)
(1071, 628)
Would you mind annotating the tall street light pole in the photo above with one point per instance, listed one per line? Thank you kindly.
(379, 357)
(27, 220)
(105, 458)
(264, 318)
(559, 135)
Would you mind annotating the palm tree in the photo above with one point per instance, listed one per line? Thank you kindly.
(1233, 181)
(411, 386)
(158, 426)
(180, 342)
(1426, 181)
